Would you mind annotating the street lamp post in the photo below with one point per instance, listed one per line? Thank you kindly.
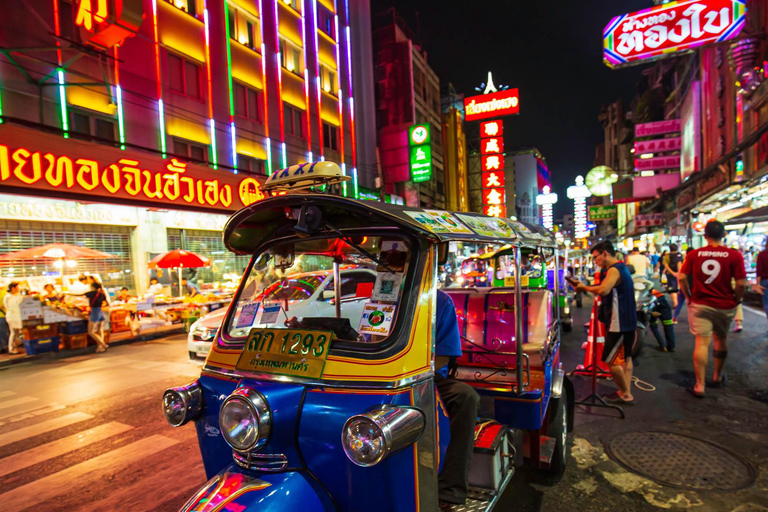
(579, 193)
(547, 200)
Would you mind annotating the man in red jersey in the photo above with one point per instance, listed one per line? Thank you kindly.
(705, 280)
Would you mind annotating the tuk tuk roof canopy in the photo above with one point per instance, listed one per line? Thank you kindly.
(276, 217)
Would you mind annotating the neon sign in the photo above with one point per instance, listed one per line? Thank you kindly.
(495, 210)
(493, 179)
(492, 128)
(492, 145)
(105, 23)
(666, 29)
(501, 103)
(163, 183)
(492, 162)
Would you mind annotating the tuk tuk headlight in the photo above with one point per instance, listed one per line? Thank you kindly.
(369, 438)
(245, 420)
(182, 404)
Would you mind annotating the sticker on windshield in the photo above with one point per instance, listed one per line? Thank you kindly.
(246, 314)
(269, 314)
(377, 319)
(387, 287)
(448, 221)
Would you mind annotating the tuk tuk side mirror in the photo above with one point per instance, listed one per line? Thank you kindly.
(442, 253)
(284, 256)
(261, 262)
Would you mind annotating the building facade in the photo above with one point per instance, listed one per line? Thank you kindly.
(139, 131)
(407, 94)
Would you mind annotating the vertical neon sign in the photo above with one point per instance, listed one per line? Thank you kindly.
(119, 94)
(306, 81)
(279, 62)
(160, 109)
(317, 82)
(212, 124)
(339, 95)
(232, 134)
(60, 71)
(268, 143)
(351, 103)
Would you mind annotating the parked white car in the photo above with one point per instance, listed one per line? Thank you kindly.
(307, 294)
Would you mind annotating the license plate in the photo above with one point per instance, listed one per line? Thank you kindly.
(286, 352)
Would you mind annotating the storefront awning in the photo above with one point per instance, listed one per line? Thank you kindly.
(757, 215)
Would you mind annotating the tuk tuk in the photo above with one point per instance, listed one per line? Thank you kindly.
(337, 409)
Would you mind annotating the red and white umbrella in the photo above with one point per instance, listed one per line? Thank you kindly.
(180, 259)
(56, 252)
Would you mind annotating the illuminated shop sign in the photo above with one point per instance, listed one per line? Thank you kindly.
(421, 163)
(657, 128)
(105, 23)
(493, 196)
(493, 128)
(492, 145)
(492, 163)
(493, 179)
(666, 29)
(495, 210)
(657, 145)
(497, 104)
(84, 170)
(659, 162)
(418, 135)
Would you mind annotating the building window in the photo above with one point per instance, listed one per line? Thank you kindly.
(292, 118)
(293, 4)
(188, 6)
(291, 57)
(243, 28)
(184, 76)
(328, 79)
(190, 150)
(247, 103)
(92, 126)
(330, 137)
(250, 164)
(325, 21)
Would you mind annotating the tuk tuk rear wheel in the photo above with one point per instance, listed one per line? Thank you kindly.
(567, 325)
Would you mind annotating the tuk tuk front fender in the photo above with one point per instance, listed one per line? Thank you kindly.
(236, 490)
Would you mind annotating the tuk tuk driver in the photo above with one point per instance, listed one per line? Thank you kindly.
(461, 403)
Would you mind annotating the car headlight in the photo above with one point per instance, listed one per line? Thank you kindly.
(203, 332)
(369, 438)
(182, 404)
(245, 420)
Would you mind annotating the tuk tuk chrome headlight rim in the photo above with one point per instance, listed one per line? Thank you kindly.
(384, 430)
(245, 420)
(182, 404)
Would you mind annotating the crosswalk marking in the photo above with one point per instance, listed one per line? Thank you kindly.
(55, 449)
(17, 401)
(43, 427)
(21, 409)
(4, 394)
(82, 474)
(155, 489)
(32, 414)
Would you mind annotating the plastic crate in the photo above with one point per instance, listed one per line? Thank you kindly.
(75, 340)
(40, 332)
(78, 327)
(50, 344)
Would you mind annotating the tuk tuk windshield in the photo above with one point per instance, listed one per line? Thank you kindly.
(293, 287)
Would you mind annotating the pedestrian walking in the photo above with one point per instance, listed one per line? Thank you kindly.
(762, 276)
(619, 314)
(96, 318)
(706, 280)
(680, 296)
(672, 265)
(12, 304)
(4, 332)
(639, 261)
(662, 310)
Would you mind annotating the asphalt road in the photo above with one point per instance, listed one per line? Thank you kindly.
(87, 433)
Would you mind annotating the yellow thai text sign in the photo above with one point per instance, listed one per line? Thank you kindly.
(286, 352)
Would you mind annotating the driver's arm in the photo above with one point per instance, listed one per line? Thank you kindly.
(441, 361)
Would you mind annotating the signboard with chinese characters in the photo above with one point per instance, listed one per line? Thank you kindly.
(492, 167)
(493, 128)
(649, 220)
(493, 179)
(658, 162)
(491, 145)
(36, 163)
(602, 212)
(493, 196)
(663, 30)
(657, 145)
(496, 104)
(492, 163)
(105, 23)
(421, 163)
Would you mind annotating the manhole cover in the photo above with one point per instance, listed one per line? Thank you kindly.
(680, 461)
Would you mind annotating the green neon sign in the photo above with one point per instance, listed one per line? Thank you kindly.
(421, 163)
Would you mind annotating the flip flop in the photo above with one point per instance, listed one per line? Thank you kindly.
(719, 383)
(616, 398)
(695, 393)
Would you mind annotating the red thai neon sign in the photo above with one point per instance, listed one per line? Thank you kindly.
(496, 104)
(126, 178)
(665, 29)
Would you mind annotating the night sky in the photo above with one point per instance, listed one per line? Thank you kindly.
(551, 50)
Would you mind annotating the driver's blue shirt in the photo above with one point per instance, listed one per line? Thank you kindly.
(447, 340)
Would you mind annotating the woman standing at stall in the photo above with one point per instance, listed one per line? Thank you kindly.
(96, 318)
(12, 303)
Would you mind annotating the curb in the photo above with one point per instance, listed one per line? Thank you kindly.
(91, 349)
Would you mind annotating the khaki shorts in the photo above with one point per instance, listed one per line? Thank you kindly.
(705, 320)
